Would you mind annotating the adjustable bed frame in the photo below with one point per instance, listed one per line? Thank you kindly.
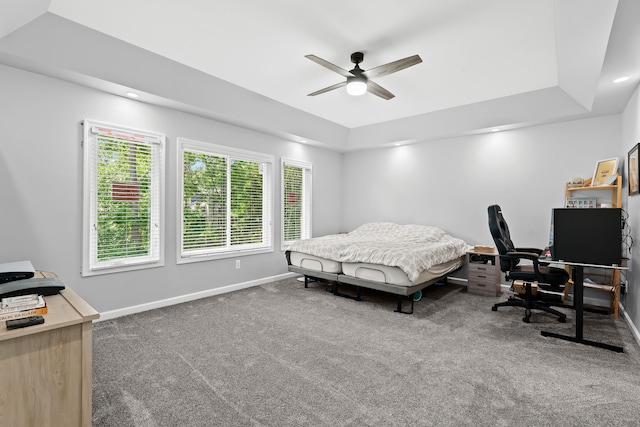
(403, 293)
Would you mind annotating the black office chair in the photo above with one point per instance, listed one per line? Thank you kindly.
(548, 278)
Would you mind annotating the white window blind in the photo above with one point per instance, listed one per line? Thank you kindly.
(123, 192)
(226, 201)
(296, 200)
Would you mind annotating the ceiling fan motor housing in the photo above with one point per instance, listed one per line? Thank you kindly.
(357, 57)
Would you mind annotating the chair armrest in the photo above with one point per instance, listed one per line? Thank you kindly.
(522, 255)
(531, 256)
(536, 251)
(532, 250)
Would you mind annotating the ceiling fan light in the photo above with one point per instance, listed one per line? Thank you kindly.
(356, 86)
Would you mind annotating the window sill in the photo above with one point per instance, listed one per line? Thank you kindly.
(222, 255)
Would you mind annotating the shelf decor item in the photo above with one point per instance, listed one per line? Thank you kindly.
(576, 181)
(632, 170)
(580, 202)
(605, 173)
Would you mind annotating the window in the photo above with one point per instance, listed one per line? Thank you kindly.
(296, 201)
(123, 199)
(225, 207)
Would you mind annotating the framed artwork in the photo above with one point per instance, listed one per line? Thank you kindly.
(632, 170)
(605, 172)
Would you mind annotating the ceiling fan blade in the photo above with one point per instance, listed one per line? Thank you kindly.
(327, 89)
(329, 65)
(378, 90)
(392, 67)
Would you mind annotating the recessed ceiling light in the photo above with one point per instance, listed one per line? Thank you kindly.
(132, 95)
(622, 79)
(495, 130)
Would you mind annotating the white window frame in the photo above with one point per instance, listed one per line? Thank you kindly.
(306, 220)
(228, 251)
(90, 264)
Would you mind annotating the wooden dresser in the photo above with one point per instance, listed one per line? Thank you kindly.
(46, 370)
(484, 276)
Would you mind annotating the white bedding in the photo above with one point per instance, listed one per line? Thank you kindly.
(412, 248)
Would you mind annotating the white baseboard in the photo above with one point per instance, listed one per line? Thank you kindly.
(112, 314)
(632, 327)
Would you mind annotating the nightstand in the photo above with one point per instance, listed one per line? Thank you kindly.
(484, 275)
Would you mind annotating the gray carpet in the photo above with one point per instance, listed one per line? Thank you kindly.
(283, 355)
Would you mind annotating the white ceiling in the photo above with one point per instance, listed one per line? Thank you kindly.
(490, 63)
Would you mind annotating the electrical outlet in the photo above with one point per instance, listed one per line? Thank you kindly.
(237, 264)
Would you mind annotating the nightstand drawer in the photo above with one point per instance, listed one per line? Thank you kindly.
(483, 288)
(482, 270)
(489, 273)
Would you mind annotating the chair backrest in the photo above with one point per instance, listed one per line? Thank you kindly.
(501, 237)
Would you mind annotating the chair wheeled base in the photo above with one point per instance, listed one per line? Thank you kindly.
(517, 302)
(528, 303)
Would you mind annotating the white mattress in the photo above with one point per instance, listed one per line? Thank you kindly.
(315, 263)
(395, 275)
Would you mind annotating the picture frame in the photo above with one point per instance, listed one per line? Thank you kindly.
(605, 172)
(633, 178)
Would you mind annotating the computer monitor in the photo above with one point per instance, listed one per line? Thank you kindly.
(589, 236)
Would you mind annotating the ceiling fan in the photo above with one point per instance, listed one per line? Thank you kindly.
(358, 81)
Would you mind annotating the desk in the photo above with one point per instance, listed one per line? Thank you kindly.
(46, 370)
(578, 294)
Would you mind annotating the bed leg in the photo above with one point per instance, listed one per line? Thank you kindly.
(333, 289)
(399, 299)
(306, 281)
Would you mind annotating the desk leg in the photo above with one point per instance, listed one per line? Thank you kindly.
(578, 295)
(578, 303)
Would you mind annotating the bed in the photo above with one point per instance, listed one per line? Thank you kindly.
(388, 257)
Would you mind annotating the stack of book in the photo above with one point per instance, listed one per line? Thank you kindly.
(22, 306)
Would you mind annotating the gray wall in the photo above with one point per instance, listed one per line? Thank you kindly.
(630, 137)
(41, 185)
(450, 183)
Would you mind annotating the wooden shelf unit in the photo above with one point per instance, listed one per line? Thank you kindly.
(613, 285)
(615, 188)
